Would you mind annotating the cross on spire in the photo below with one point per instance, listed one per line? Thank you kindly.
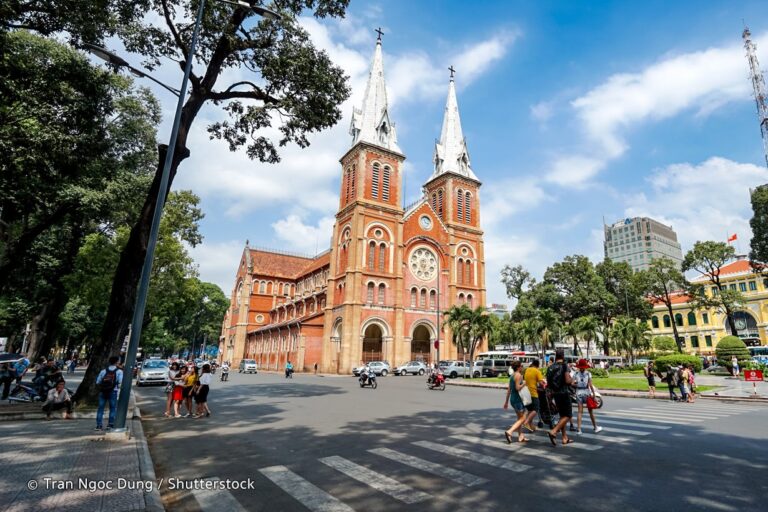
(378, 31)
(453, 71)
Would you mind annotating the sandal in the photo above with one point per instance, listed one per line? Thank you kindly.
(523, 440)
(552, 439)
(567, 441)
(508, 436)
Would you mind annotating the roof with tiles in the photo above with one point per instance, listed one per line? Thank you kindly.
(675, 298)
(278, 264)
(739, 267)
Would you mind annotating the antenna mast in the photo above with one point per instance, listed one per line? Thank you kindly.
(758, 86)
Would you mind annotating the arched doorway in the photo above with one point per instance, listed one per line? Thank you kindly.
(420, 343)
(746, 328)
(372, 343)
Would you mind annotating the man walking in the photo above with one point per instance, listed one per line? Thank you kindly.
(108, 382)
(558, 381)
(672, 382)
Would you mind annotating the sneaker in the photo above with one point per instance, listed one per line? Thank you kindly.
(578, 431)
(187, 415)
(98, 428)
(598, 430)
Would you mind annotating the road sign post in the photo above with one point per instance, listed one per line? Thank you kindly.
(753, 376)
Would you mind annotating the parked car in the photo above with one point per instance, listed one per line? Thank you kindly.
(379, 368)
(412, 367)
(456, 369)
(496, 367)
(717, 369)
(153, 371)
(248, 366)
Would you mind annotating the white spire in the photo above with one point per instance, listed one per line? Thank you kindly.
(371, 124)
(451, 153)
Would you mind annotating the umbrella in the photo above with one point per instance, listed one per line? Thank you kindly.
(10, 358)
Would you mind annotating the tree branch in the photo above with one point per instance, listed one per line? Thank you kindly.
(174, 31)
(257, 94)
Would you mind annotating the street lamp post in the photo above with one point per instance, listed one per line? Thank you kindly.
(141, 295)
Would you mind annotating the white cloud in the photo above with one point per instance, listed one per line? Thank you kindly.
(305, 238)
(217, 262)
(542, 111)
(707, 201)
(506, 198)
(503, 248)
(700, 82)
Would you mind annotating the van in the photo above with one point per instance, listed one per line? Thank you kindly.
(496, 367)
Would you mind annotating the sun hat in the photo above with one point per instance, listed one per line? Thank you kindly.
(582, 364)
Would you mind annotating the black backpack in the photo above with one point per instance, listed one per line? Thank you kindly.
(108, 382)
(556, 377)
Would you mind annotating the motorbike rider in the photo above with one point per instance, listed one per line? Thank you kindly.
(288, 369)
(225, 370)
(46, 375)
(366, 374)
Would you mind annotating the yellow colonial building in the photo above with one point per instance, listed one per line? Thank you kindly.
(701, 330)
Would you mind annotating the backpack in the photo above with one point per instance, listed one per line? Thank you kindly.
(108, 382)
(556, 377)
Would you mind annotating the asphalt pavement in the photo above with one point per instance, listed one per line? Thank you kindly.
(325, 444)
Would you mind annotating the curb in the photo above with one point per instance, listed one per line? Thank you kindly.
(625, 394)
(37, 413)
(152, 500)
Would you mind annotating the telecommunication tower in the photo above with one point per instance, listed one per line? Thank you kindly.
(758, 86)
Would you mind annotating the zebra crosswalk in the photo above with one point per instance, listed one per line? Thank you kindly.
(474, 457)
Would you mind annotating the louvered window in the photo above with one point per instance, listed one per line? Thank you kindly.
(371, 256)
(382, 292)
(413, 297)
(423, 301)
(382, 256)
(375, 181)
(460, 271)
(369, 297)
(440, 203)
(385, 184)
(352, 179)
(434, 202)
(460, 205)
(432, 301)
(468, 277)
(468, 208)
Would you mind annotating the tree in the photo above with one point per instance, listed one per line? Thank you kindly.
(631, 336)
(502, 331)
(582, 289)
(528, 330)
(731, 346)
(288, 84)
(708, 259)
(586, 328)
(547, 323)
(664, 282)
(516, 279)
(468, 327)
(758, 254)
(664, 344)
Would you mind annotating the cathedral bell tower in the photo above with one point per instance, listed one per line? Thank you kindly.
(363, 269)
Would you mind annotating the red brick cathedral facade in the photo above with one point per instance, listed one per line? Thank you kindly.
(376, 293)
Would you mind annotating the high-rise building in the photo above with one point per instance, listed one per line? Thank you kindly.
(640, 240)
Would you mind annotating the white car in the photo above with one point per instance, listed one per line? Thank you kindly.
(153, 371)
(412, 367)
(248, 366)
(379, 368)
(453, 369)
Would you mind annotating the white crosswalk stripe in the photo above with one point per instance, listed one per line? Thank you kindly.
(602, 437)
(521, 449)
(679, 415)
(543, 436)
(380, 482)
(474, 457)
(622, 430)
(430, 467)
(603, 420)
(309, 495)
(641, 416)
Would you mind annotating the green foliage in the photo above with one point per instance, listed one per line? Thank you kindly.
(731, 346)
(664, 344)
(630, 336)
(502, 331)
(598, 372)
(758, 253)
(468, 327)
(516, 279)
(663, 363)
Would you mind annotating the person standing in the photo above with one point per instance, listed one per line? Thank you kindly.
(173, 370)
(584, 390)
(201, 395)
(671, 378)
(177, 396)
(686, 383)
(532, 377)
(6, 377)
(558, 381)
(735, 365)
(648, 371)
(58, 398)
(108, 382)
(20, 368)
(682, 384)
(190, 381)
(513, 398)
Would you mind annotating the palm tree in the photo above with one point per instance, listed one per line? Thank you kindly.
(571, 332)
(630, 336)
(480, 326)
(529, 333)
(469, 327)
(548, 322)
(586, 327)
(457, 319)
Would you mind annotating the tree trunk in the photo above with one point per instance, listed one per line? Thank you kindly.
(126, 280)
(731, 321)
(674, 328)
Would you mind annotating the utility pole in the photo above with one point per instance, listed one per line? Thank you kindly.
(758, 87)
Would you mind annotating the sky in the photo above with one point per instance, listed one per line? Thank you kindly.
(574, 112)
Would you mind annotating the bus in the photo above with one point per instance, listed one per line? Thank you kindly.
(759, 354)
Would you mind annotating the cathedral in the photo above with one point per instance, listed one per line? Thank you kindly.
(379, 291)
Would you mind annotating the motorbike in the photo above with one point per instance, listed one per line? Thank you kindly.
(368, 379)
(436, 381)
(25, 392)
(289, 373)
(598, 396)
(224, 374)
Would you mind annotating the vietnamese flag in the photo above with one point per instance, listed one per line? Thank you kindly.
(732, 238)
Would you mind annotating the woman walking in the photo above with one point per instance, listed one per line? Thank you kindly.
(516, 383)
(584, 391)
(178, 390)
(648, 371)
(201, 396)
(190, 381)
(687, 378)
(172, 372)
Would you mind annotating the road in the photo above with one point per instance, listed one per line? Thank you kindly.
(323, 443)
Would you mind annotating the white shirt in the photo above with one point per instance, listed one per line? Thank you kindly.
(205, 379)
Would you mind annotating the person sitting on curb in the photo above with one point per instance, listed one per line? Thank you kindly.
(58, 398)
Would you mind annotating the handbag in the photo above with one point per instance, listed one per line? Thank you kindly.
(169, 387)
(591, 402)
(525, 395)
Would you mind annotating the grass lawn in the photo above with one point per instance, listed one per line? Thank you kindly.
(624, 381)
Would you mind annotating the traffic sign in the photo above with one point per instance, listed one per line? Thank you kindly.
(753, 375)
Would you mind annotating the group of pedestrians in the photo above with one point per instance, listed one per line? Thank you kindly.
(682, 378)
(524, 398)
(187, 384)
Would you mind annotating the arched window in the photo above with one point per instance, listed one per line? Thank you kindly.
(239, 292)
(679, 319)
(413, 297)
(460, 205)
(369, 297)
(440, 203)
(375, 181)
(434, 202)
(423, 301)
(382, 293)
(461, 298)
(371, 256)
(655, 322)
(468, 207)
(691, 318)
(460, 271)
(347, 184)
(468, 277)
(263, 287)
(432, 299)
(352, 180)
(382, 256)
(385, 184)
(469, 300)
(667, 322)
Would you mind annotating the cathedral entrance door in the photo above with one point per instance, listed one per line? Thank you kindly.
(420, 344)
(372, 343)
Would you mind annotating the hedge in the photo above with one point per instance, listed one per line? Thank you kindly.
(731, 346)
(662, 363)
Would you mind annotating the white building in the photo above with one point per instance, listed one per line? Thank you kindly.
(640, 240)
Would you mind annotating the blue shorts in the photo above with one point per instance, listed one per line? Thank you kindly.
(582, 398)
(517, 406)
